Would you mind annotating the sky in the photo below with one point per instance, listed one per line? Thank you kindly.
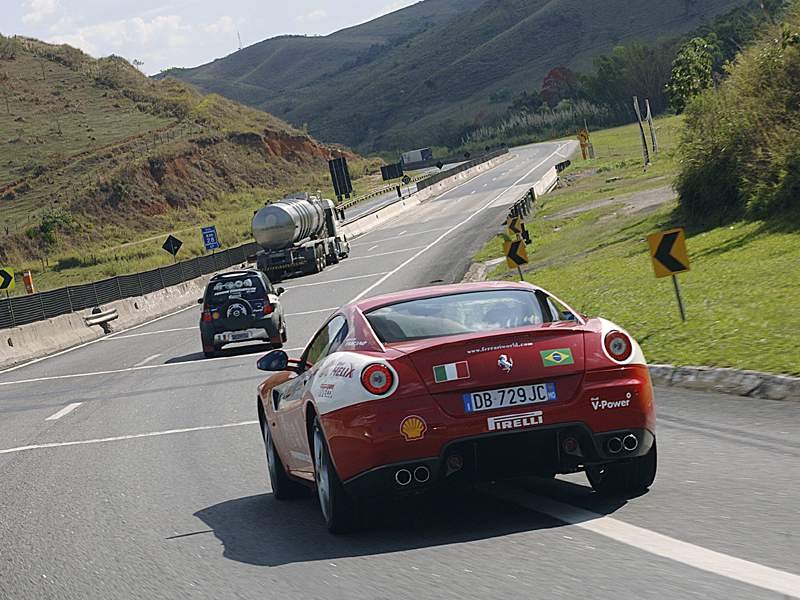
(179, 33)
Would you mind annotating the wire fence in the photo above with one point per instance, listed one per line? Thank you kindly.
(23, 310)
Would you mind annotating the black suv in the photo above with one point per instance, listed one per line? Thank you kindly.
(240, 306)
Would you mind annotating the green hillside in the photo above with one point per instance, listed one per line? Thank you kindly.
(98, 162)
(413, 77)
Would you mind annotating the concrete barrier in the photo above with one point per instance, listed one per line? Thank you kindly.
(28, 342)
(547, 183)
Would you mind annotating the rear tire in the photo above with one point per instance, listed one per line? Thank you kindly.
(339, 509)
(627, 479)
(283, 488)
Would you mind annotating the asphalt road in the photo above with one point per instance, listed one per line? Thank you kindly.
(154, 485)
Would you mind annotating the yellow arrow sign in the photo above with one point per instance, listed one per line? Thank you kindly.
(7, 279)
(668, 252)
(515, 226)
(516, 254)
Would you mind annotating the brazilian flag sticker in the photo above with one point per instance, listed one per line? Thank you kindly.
(557, 358)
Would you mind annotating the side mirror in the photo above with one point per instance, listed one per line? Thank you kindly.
(199, 300)
(277, 360)
(280, 291)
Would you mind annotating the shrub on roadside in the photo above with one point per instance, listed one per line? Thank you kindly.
(739, 155)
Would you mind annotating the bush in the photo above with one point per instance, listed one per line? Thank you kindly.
(740, 151)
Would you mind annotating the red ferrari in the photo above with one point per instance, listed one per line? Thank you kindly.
(473, 382)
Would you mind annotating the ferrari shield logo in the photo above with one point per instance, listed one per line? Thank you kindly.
(505, 363)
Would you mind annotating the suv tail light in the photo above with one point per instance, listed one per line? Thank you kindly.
(268, 308)
(207, 318)
(618, 345)
(377, 379)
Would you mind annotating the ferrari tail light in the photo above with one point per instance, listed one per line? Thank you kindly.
(618, 345)
(377, 379)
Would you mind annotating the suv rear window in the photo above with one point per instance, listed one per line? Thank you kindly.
(474, 312)
(247, 287)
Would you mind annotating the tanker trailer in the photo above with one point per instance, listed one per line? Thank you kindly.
(299, 236)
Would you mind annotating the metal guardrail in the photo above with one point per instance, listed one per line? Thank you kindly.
(376, 193)
(23, 310)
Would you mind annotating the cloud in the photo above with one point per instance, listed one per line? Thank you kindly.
(155, 40)
(317, 14)
(39, 10)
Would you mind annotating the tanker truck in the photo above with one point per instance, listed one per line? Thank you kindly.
(299, 236)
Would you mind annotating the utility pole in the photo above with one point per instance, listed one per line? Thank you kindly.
(239, 35)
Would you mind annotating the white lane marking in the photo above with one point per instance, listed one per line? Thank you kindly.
(689, 554)
(449, 231)
(384, 253)
(312, 312)
(133, 369)
(102, 339)
(142, 363)
(391, 239)
(303, 285)
(146, 333)
(64, 411)
(372, 248)
(405, 231)
(121, 438)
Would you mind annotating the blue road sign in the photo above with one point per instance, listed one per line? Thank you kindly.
(210, 238)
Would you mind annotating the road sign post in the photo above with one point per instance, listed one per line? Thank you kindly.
(516, 255)
(670, 257)
(7, 282)
(172, 245)
(210, 238)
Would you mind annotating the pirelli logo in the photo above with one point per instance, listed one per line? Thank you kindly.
(520, 421)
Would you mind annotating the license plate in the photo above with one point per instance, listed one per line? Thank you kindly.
(240, 336)
(510, 397)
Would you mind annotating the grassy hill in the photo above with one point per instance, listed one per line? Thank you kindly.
(414, 76)
(97, 162)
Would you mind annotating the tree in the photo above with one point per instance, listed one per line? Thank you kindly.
(560, 84)
(692, 72)
(526, 102)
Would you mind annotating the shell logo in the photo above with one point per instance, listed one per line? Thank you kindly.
(413, 428)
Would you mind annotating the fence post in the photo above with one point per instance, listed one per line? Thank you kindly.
(41, 305)
(161, 277)
(141, 287)
(11, 310)
(69, 299)
(119, 288)
(96, 299)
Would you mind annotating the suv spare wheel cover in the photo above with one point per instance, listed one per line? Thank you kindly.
(237, 309)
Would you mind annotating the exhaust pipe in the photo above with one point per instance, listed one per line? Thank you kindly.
(630, 443)
(422, 474)
(614, 445)
(403, 477)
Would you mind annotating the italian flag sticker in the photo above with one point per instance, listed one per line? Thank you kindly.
(451, 372)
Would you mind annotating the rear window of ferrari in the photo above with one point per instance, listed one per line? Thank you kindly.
(247, 287)
(473, 312)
